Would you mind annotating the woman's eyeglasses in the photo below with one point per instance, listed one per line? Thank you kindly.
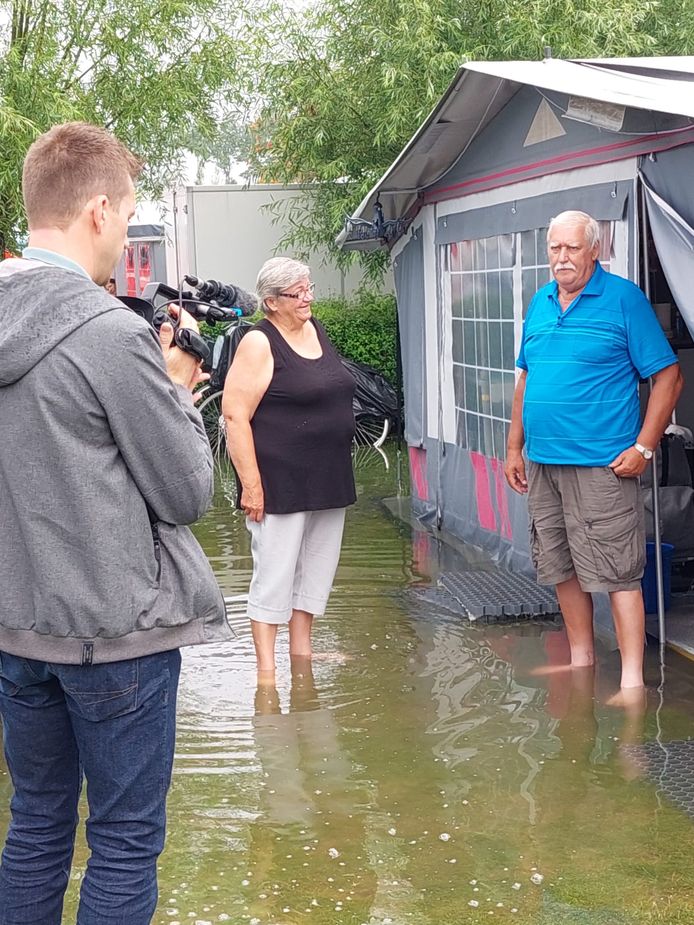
(301, 294)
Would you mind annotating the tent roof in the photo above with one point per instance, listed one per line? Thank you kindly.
(481, 89)
(145, 231)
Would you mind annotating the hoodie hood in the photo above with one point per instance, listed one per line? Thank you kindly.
(41, 305)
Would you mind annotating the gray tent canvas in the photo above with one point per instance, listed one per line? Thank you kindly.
(509, 145)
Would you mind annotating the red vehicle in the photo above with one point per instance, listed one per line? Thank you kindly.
(138, 267)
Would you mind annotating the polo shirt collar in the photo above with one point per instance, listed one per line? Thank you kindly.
(594, 286)
(54, 259)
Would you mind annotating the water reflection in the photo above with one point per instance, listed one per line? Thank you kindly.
(420, 770)
(308, 800)
(305, 773)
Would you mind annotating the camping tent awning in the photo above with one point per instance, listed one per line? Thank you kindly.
(679, 67)
(482, 88)
(653, 91)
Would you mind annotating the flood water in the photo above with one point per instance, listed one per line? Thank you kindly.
(421, 772)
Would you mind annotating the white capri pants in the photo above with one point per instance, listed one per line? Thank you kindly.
(295, 557)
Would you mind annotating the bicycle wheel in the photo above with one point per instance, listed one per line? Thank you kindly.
(369, 435)
(368, 456)
(371, 431)
(211, 410)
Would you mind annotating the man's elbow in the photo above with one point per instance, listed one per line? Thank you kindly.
(198, 502)
(190, 512)
(191, 500)
(679, 383)
(670, 381)
(674, 381)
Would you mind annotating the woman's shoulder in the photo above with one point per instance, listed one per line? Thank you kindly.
(269, 331)
(263, 326)
(321, 332)
(255, 343)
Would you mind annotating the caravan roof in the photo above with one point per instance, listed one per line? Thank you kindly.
(481, 89)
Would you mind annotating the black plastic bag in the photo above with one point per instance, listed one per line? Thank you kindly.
(374, 396)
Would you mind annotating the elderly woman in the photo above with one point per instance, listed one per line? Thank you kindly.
(288, 412)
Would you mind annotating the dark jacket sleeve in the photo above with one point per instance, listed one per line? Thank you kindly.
(157, 429)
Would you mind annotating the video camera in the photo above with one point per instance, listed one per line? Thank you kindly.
(212, 302)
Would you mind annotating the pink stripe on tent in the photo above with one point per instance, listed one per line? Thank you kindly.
(418, 472)
(485, 506)
(643, 144)
(502, 498)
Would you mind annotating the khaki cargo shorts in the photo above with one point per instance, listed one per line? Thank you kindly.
(586, 522)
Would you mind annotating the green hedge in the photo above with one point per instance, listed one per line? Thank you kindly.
(363, 329)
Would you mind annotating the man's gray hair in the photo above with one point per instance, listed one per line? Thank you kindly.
(592, 229)
(276, 275)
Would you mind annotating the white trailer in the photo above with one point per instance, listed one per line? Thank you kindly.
(227, 233)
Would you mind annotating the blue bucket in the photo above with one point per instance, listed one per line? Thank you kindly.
(649, 584)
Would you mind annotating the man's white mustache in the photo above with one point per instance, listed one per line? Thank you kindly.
(565, 266)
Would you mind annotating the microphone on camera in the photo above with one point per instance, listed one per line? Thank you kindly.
(224, 294)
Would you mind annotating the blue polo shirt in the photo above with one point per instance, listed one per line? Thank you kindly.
(581, 403)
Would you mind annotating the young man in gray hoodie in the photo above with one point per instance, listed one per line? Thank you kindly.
(103, 460)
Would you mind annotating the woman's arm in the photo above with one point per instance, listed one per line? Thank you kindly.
(247, 381)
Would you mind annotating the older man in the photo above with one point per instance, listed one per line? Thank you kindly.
(588, 338)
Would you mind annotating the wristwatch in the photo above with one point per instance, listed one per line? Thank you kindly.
(645, 451)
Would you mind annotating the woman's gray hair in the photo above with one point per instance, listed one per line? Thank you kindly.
(276, 275)
(592, 229)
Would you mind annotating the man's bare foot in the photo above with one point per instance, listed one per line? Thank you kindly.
(630, 698)
(633, 701)
(545, 670)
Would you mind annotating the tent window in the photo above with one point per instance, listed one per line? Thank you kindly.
(481, 297)
(534, 263)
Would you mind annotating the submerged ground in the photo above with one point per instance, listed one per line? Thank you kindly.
(421, 773)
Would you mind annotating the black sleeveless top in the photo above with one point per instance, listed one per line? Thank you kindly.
(303, 429)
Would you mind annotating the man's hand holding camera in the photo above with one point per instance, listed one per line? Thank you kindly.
(183, 368)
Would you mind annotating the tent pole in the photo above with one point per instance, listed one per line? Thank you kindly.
(398, 377)
(660, 597)
(440, 445)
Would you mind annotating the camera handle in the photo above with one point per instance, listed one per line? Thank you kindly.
(192, 343)
(185, 339)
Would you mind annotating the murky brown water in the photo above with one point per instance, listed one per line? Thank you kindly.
(420, 773)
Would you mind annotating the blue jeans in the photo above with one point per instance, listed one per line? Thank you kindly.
(114, 723)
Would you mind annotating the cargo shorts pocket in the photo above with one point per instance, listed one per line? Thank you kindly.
(617, 546)
(534, 545)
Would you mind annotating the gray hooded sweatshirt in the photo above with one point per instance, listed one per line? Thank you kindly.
(102, 462)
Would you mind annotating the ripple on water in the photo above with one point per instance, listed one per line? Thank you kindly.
(424, 751)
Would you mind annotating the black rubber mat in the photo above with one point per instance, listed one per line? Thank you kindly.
(498, 595)
(670, 766)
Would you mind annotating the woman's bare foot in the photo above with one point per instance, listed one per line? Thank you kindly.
(267, 700)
